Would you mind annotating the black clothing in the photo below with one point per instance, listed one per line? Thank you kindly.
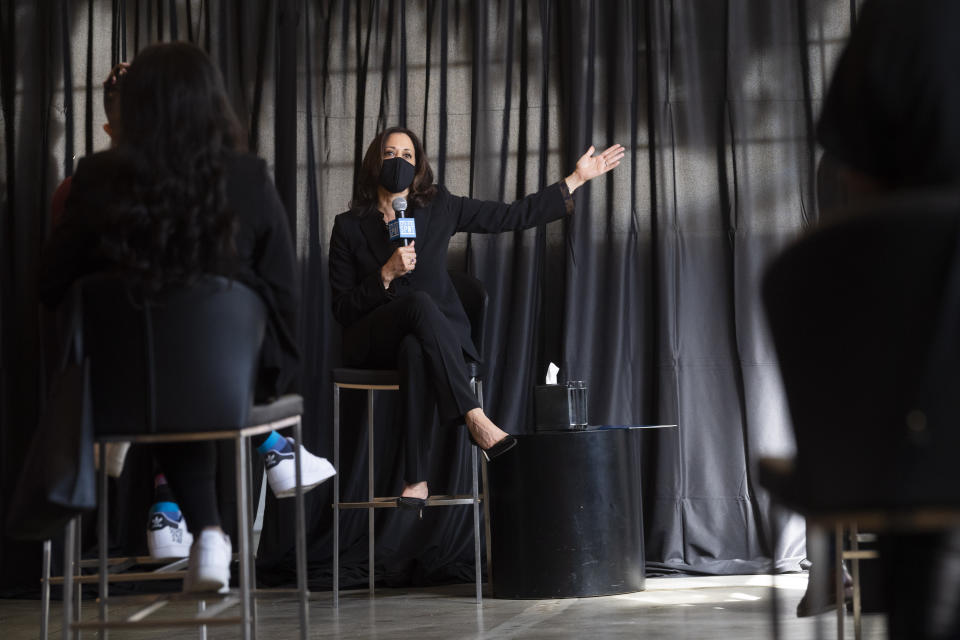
(422, 303)
(264, 249)
(359, 247)
(411, 335)
(891, 109)
(265, 262)
(188, 467)
(891, 114)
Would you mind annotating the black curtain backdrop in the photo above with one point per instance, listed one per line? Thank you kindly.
(650, 292)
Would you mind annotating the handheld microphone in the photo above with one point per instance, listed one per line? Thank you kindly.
(399, 205)
(401, 227)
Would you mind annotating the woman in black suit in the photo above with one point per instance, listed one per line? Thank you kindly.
(397, 304)
(172, 201)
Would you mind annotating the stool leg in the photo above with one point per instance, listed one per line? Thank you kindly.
(68, 548)
(254, 512)
(370, 511)
(475, 493)
(252, 558)
(301, 538)
(78, 592)
(486, 502)
(201, 607)
(855, 569)
(243, 529)
(486, 522)
(45, 590)
(838, 578)
(336, 496)
(774, 595)
(103, 537)
(817, 552)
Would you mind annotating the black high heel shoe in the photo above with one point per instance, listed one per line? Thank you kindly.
(407, 503)
(498, 449)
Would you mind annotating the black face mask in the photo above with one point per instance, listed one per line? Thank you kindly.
(396, 174)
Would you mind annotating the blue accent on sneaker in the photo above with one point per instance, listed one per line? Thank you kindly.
(271, 443)
(166, 507)
(162, 519)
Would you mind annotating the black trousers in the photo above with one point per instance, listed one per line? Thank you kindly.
(413, 336)
(202, 477)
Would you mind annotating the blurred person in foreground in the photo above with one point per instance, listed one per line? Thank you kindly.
(891, 125)
(175, 199)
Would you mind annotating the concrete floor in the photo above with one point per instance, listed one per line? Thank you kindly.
(705, 608)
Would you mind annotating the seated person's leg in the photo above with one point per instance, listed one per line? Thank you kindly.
(417, 408)
(190, 469)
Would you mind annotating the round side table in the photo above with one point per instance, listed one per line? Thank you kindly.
(566, 514)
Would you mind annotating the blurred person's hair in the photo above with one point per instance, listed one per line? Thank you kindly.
(892, 112)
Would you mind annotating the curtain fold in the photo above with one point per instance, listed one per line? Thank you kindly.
(649, 292)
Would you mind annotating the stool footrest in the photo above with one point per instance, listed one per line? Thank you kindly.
(146, 576)
(391, 502)
(121, 563)
(172, 569)
(157, 624)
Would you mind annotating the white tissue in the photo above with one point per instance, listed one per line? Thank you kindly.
(552, 371)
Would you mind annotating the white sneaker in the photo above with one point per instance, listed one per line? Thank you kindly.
(209, 566)
(167, 535)
(282, 474)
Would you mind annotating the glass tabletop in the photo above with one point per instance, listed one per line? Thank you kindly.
(606, 427)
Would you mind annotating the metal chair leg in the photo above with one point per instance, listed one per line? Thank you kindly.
(817, 552)
(774, 594)
(201, 607)
(243, 515)
(103, 537)
(370, 511)
(475, 493)
(855, 569)
(486, 522)
(251, 520)
(336, 496)
(68, 549)
(301, 538)
(486, 503)
(45, 591)
(78, 592)
(838, 578)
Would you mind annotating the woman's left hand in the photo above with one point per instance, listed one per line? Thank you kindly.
(590, 166)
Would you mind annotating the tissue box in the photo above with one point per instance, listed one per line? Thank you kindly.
(560, 407)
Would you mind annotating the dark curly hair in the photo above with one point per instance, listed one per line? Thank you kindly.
(365, 190)
(170, 221)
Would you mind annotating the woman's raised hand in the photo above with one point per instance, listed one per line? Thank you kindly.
(590, 166)
(403, 261)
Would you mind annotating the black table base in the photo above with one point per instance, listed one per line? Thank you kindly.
(565, 515)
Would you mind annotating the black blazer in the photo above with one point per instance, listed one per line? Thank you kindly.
(360, 246)
(264, 248)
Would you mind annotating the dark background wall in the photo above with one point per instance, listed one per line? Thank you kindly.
(649, 292)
